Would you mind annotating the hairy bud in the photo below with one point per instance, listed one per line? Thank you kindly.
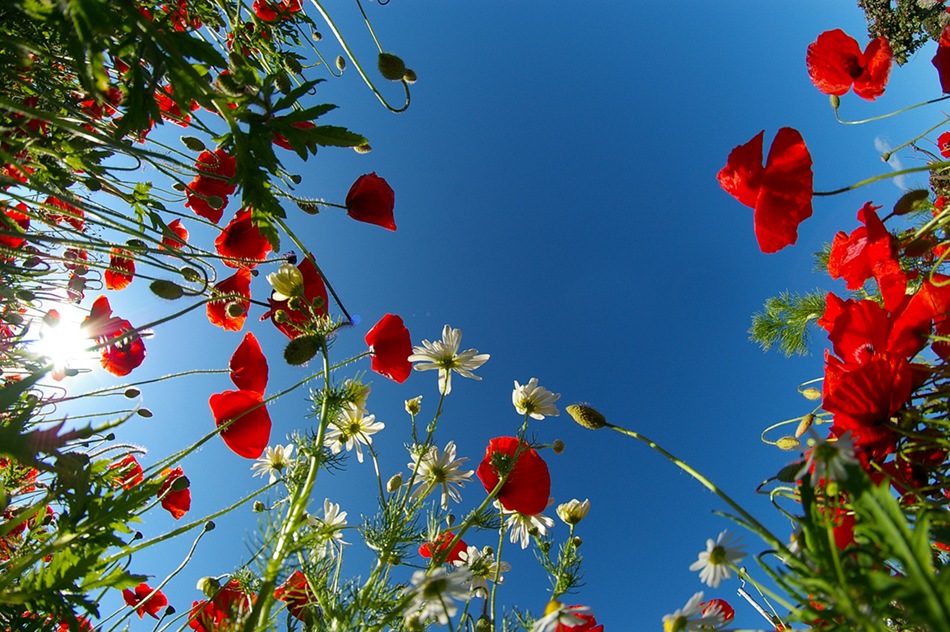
(586, 416)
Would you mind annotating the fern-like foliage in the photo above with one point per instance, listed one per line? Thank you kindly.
(784, 322)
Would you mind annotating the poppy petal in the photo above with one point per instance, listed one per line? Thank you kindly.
(249, 432)
(249, 366)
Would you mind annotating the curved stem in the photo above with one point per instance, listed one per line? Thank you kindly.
(885, 176)
(890, 114)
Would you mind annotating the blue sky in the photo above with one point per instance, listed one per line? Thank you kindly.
(556, 200)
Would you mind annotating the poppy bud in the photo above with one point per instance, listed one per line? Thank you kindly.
(192, 143)
(835, 101)
(787, 443)
(292, 65)
(484, 624)
(132, 393)
(410, 76)
(340, 63)
(557, 446)
(283, 82)
(804, 424)
(586, 416)
(302, 349)
(811, 393)
(390, 66)
(912, 201)
(310, 208)
(209, 586)
(365, 148)
(394, 483)
(234, 309)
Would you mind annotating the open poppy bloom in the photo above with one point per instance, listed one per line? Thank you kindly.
(122, 349)
(588, 623)
(391, 345)
(248, 423)
(835, 63)
(941, 60)
(241, 242)
(121, 270)
(428, 549)
(72, 215)
(270, 10)
(16, 222)
(780, 192)
(143, 604)
(372, 200)
(869, 251)
(213, 180)
(314, 298)
(721, 606)
(178, 236)
(176, 497)
(296, 593)
(528, 486)
(230, 310)
(223, 611)
(129, 472)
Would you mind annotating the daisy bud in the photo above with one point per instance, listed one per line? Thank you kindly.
(258, 506)
(340, 63)
(573, 512)
(557, 446)
(577, 542)
(804, 425)
(414, 405)
(209, 586)
(391, 66)
(394, 483)
(586, 416)
(811, 393)
(302, 349)
(317, 36)
(787, 443)
(281, 317)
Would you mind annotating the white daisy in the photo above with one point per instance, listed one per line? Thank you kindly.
(482, 566)
(445, 471)
(287, 282)
(535, 401)
(574, 511)
(329, 529)
(557, 614)
(352, 429)
(691, 617)
(433, 594)
(522, 527)
(713, 563)
(274, 461)
(828, 459)
(444, 355)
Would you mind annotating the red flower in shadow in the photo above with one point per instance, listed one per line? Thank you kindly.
(780, 192)
(140, 600)
(528, 485)
(225, 609)
(835, 63)
(122, 349)
(371, 200)
(129, 472)
(121, 270)
(314, 303)
(178, 237)
(391, 344)
(213, 180)
(869, 251)
(175, 496)
(269, 11)
(941, 60)
(296, 593)
(281, 141)
(440, 546)
(231, 302)
(72, 215)
(14, 221)
(241, 243)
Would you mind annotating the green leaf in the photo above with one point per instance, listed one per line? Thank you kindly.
(784, 322)
(332, 136)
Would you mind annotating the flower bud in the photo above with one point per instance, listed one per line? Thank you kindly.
(302, 349)
(574, 511)
(811, 393)
(391, 66)
(414, 405)
(258, 506)
(787, 443)
(209, 586)
(586, 416)
(132, 393)
(340, 63)
(365, 148)
(287, 282)
(394, 483)
(804, 425)
(835, 101)
(410, 76)
(557, 446)
(484, 624)
(577, 542)
(234, 309)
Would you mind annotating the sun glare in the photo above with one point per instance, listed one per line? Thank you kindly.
(63, 342)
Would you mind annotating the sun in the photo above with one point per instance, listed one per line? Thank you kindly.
(63, 342)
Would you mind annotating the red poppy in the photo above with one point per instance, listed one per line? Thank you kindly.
(248, 432)
(121, 270)
(231, 312)
(205, 616)
(391, 344)
(943, 143)
(213, 180)
(249, 366)
(780, 192)
(122, 349)
(269, 11)
(241, 242)
(314, 294)
(141, 601)
(869, 251)
(371, 200)
(726, 611)
(14, 221)
(228, 607)
(170, 110)
(528, 485)
(835, 62)
(941, 60)
(868, 394)
(72, 215)
(281, 141)
(78, 623)
(176, 497)
(178, 237)
(588, 624)
(129, 472)
(178, 16)
(296, 592)
(440, 545)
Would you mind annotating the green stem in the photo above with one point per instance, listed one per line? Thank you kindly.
(885, 176)
(890, 114)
